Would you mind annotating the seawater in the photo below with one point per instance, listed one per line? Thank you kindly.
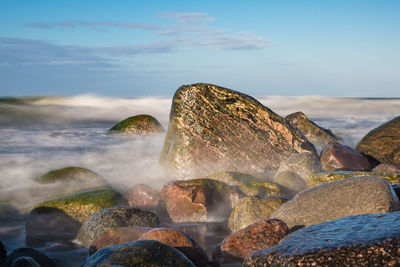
(46, 133)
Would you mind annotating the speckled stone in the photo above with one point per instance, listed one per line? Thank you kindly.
(350, 196)
(142, 195)
(326, 177)
(252, 209)
(316, 134)
(387, 168)
(336, 156)
(112, 218)
(145, 253)
(198, 200)
(362, 240)
(181, 241)
(117, 236)
(215, 129)
(383, 142)
(260, 235)
(302, 164)
(138, 125)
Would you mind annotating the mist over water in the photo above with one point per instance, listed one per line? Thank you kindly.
(42, 134)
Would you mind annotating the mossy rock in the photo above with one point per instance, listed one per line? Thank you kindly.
(138, 125)
(82, 205)
(249, 210)
(247, 183)
(326, 177)
(72, 174)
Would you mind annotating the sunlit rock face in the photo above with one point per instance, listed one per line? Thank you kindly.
(217, 129)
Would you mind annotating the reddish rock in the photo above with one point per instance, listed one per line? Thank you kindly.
(336, 156)
(198, 200)
(117, 236)
(260, 235)
(181, 241)
(142, 195)
(387, 168)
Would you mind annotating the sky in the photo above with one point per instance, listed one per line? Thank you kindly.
(129, 48)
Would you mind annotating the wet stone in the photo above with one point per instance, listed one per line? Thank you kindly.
(361, 240)
(387, 168)
(29, 256)
(350, 196)
(214, 129)
(9, 215)
(113, 218)
(138, 253)
(237, 246)
(142, 195)
(302, 164)
(336, 156)
(181, 241)
(138, 125)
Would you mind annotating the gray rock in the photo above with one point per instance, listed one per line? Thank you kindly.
(249, 210)
(9, 215)
(138, 253)
(302, 164)
(361, 240)
(351, 196)
(291, 181)
(112, 218)
(215, 129)
(28, 256)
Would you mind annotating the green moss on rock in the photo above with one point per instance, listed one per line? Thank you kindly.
(69, 174)
(138, 125)
(82, 205)
(326, 177)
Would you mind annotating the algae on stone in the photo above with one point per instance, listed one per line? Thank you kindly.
(247, 183)
(138, 125)
(326, 177)
(82, 205)
(69, 174)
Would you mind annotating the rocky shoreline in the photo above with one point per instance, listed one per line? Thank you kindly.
(250, 189)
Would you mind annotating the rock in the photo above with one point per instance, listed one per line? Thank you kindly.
(247, 183)
(249, 210)
(198, 200)
(138, 253)
(260, 235)
(316, 134)
(181, 241)
(351, 196)
(302, 164)
(361, 240)
(45, 224)
(28, 256)
(336, 156)
(142, 195)
(326, 177)
(383, 142)
(214, 129)
(70, 174)
(80, 206)
(387, 168)
(113, 218)
(3, 253)
(9, 215)
(290, 180)
(138, 125)
(117, 236)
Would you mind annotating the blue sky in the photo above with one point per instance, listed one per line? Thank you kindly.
(149, 48)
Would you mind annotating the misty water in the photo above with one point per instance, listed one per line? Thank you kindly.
(42, 134)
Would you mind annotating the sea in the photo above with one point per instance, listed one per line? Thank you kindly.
(39, 134)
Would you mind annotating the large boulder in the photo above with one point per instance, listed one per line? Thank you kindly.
(351, 196)
(361, 240)
(80, 206)
(44, 224)
(117, 236)
(138, 125)
(198, 200)
(249, 210)
(215, 129)
(260, 235)
(336, 156)
(247, 183)
(383, 142)
(316, 179)
(316, 134)
(181, 241)
(112, 218)
(138, 253)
